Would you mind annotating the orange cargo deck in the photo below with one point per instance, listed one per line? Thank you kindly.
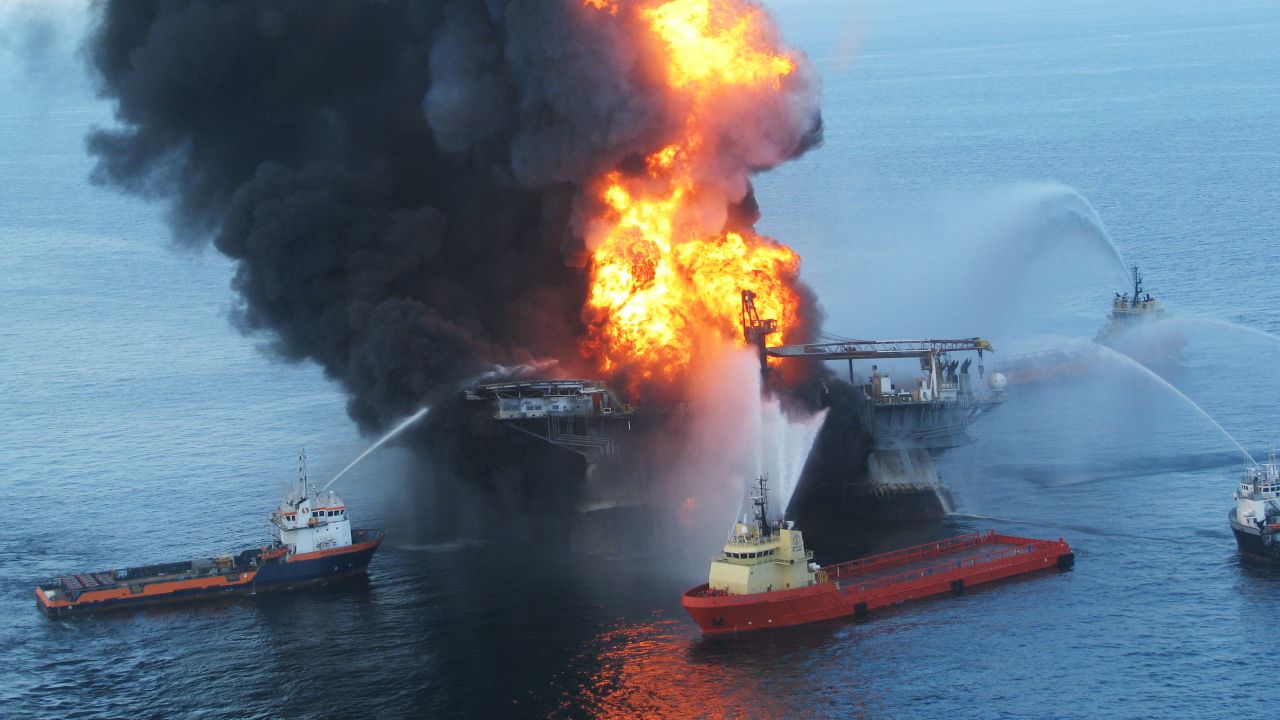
(859, 586)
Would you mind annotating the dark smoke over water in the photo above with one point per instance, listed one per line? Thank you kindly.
(396, 181)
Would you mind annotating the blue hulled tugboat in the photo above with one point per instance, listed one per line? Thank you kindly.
(313, 543)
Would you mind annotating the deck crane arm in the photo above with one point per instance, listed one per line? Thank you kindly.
(878, 349)
(930, 352)
(756, 331)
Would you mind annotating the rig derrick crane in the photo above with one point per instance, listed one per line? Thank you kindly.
(756, 331)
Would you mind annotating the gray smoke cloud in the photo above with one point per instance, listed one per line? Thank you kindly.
(397, 181)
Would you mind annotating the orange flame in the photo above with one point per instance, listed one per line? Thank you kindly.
(717, 43)
(665, 275)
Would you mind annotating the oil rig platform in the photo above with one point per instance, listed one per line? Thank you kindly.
(875, 459)
(581, 416)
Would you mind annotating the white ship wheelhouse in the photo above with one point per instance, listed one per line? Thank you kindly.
(310, 520)
(1258, 497)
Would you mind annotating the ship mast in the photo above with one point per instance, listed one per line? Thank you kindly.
(302, 474)
(761, 502)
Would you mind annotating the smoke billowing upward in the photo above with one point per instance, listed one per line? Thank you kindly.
(405, 186)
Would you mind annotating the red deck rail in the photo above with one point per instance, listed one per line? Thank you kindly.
(937, 569)
(910, 554)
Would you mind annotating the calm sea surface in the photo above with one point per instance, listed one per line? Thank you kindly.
(136, 425)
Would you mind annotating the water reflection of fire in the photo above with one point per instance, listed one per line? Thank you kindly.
(659, 669)
(646, 671)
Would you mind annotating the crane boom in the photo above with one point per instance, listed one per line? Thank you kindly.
(754, 330)
(878, 349)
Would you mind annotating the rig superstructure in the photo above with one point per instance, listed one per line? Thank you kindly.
(888, 433)
(887, 468)
(581, 416)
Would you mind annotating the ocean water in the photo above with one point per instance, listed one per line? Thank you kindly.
(137, 425)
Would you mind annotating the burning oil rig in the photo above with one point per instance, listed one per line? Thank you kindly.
(873, 460)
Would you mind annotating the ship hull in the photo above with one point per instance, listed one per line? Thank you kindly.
(1253, 541)
(857, 596)
(275, 574)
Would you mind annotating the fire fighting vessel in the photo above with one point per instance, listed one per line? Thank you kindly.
(1130, 316)
(1255, 520)
(313, 543)
(765, 578)
(1128, 312)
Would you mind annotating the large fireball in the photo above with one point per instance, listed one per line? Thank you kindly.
(666, 272)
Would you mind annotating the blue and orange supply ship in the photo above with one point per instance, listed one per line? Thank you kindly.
(766, 579)
(313, 543)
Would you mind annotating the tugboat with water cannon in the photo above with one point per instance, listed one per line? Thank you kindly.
(765, 578)
(313, 543)
(1255, 520)
(1130, 312)
(1124, 333)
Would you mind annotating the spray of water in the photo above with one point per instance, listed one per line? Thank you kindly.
(782, 446)
(381, 441)
(1108, 353)
(1050, 200)
(944, 501)
(1223, 325)
(737, 435)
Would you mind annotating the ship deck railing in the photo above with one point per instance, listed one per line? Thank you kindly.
(904, 556)
(969, 559)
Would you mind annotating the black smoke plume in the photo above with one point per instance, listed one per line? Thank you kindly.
(396, 181)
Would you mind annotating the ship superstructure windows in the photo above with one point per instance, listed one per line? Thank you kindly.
(751, 555)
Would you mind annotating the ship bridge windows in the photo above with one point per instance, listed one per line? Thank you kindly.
(751, 555)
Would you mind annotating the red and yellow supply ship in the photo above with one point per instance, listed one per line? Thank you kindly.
(765, 577)
(313, 543)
